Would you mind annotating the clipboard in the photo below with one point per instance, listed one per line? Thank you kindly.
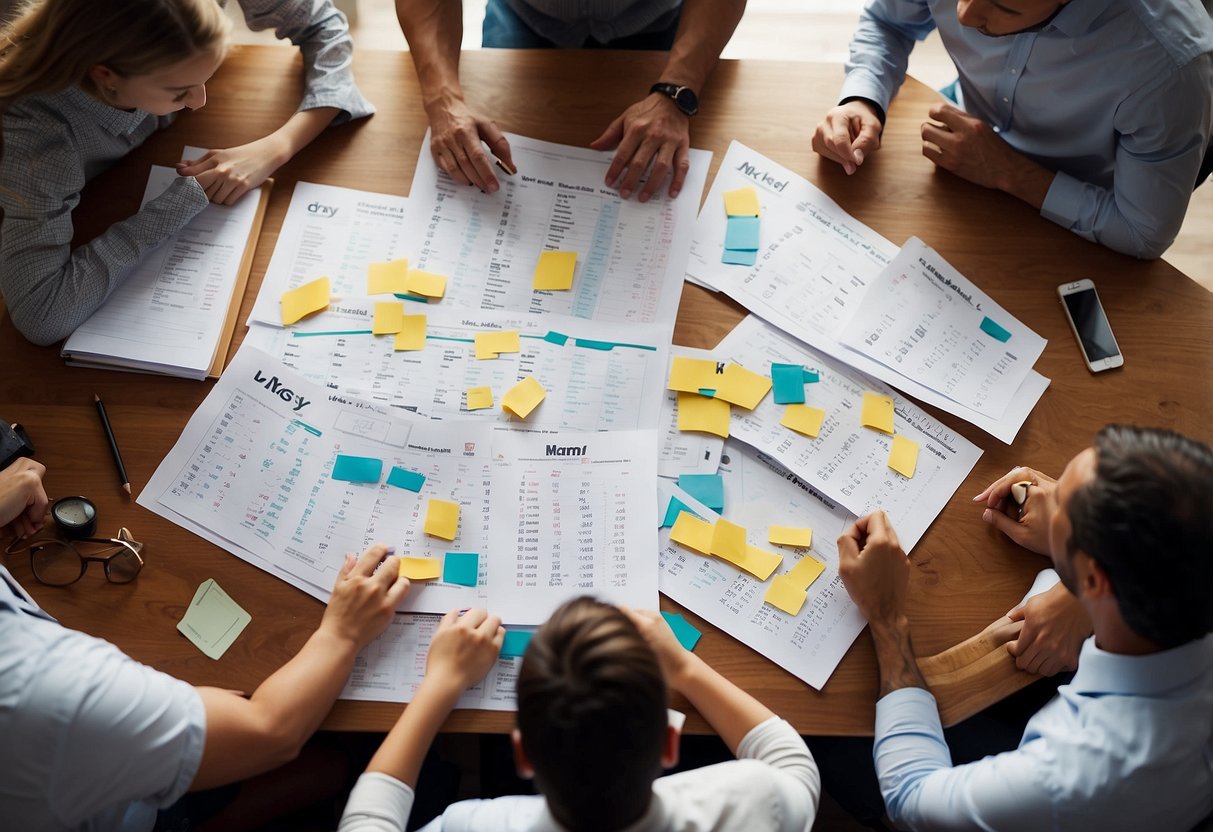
(224, 345)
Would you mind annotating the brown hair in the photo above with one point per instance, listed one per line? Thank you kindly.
(592, 715)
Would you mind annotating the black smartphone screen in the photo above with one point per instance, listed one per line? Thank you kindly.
(1091, 324)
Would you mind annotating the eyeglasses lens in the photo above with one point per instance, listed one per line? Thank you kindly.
(123, 566)
(56, 563)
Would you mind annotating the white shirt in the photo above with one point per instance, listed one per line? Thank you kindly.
(89, 738)
(1127, 745)
(773, 786)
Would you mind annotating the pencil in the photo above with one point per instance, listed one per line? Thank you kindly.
(123, 479)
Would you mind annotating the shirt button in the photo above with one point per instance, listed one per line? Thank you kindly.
(1005, 99)
(1013, 71)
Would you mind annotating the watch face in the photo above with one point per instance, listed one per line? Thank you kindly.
(687, 101)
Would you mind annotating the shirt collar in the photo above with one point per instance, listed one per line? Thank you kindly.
(1101, 672)
(1078, 16)
(111, 119)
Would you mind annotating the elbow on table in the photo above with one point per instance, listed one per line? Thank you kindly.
(35, 328)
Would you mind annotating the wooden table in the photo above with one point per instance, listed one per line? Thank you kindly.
(964, 574)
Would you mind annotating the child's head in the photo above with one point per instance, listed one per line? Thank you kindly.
(592, 716)
(154, 55)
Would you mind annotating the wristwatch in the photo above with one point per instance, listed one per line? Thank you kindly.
(684, 97)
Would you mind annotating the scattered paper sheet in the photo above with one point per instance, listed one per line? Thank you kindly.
(213, 620)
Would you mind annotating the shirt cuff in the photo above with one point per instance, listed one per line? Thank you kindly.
(860, 83)
(1063, 201)
(351, 104)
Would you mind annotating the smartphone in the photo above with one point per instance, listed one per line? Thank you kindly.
(1086, 316)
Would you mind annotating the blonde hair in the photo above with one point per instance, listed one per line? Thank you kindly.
(52, 44)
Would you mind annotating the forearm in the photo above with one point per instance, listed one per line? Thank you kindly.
(299, 131)
(434, 31)
(730, 711)
(895, 654)
(1025, 179)
(703, 31)
(406, 745)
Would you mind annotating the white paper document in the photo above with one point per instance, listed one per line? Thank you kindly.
(260, 465)
(758, 494)
(847, 461)
(928, 322)
(330, 232)
(631, 256)
(815, 266)
(168, 315)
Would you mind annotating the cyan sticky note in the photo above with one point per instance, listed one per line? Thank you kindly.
(672, 511)
(741, 234)
(706, 488)
(461, 568)
(515, 643)
(684, 630)
(357, 468)
(811, 377)
(990, 327)
(788, 380)
(739, 258)
(406, 479)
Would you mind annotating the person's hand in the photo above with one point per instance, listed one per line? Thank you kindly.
(1027, 525)
(22, 498)
(456, 134)
(874, 568)
(365, 596)
(464, 648)
(226, 175)
(968, 147)
(1055, 625)
(654, 131)
(671, 655)
(848, 134)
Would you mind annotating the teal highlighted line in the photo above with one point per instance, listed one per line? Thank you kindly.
(418, 298)
(552, 337)
(308, 428)
(333, 334)
(990, 327)
(449, 338)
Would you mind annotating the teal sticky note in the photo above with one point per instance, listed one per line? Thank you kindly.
(811, 377)
(461, 568)
(672, 511)
(406, 479)
(704, 391)
(684, 630)
(990, 327)
(357, 468)
(515, 643)
(739, 258)
(418, 298)
(706, 488)
(741, 234)
(554, 337)
(788, 381)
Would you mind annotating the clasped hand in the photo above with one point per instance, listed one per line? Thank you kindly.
(967, 146)
(227, 175)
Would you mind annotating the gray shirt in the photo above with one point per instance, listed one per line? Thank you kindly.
(570, 23)
(55, 143)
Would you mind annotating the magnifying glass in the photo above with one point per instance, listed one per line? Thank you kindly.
(76, 517)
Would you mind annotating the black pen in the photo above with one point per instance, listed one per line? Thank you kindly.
(124, 480)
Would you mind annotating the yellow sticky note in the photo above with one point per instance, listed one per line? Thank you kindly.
(430, 285)
(696, 412)
(523, 397)
(490, 344)
(421, 569)
(304, 300)
(555, 270)
(692, 532)
(759, 562)
(904, 456)
(442, 519)
(742, 202)
(389, 318)
(790, 536)
(412, 333)
(806, 570)
(387, 278)
(479, 397)
(784, 595)
(742, 387)
(728, 541)
(877, 412)
(690, 375)
(803, 419)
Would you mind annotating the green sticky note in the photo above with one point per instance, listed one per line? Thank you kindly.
(406, 479)
(706, 488)
(684, 630)
(672, 511)
(741, 234)
(357, 468)
(811, 377)
(554, 337)
(733, 257)
(515, 643)
(213, 620)
(788, 380)
(461, 568)
(990, 327)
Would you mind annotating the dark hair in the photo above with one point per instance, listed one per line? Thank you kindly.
(1147, 519)
(592, 714)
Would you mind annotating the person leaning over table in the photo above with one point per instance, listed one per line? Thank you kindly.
(82, 83)
(655, 131)
(1098, 113)
(91, 739)
(594, 733)
(1127, 744)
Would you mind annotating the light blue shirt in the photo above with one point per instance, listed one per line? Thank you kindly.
(1116, 96)
(89, 738)
(1128, 744)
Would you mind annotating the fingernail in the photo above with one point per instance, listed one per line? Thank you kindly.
(625, 193)
(859, 157)
(391, 550)
(674, 193)
(849, 168)
(643, 198)
(987, 515)
(978, 497)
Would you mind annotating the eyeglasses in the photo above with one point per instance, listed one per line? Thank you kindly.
(60, 563)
